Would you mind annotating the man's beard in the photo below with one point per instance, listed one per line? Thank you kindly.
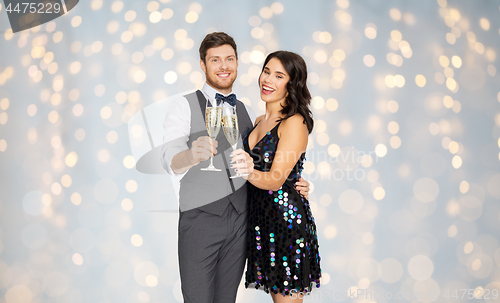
(212, 81)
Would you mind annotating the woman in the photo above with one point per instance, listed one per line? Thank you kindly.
(283, 255)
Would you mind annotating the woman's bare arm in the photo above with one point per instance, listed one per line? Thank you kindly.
(293, 135)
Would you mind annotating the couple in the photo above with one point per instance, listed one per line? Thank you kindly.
(261, 217)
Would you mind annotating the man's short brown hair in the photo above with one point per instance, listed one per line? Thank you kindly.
(216, 39)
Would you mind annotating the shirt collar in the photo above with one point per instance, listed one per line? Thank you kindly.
(210, 92)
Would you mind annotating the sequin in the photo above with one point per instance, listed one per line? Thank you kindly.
(283, 255)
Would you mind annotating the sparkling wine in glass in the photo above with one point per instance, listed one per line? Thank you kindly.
(231, 131)
(213, 119)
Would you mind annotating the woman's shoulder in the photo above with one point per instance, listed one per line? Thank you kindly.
(294, 121)
(293, 124)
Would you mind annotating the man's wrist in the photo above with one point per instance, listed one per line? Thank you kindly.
(181, 162)
(190, 159)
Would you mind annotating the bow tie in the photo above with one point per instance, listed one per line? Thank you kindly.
(231, 99)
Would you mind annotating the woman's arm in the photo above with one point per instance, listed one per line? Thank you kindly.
(293, 135)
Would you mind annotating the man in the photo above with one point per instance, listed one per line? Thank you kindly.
(212, 219)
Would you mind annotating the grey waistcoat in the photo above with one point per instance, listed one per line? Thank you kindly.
(206, 190)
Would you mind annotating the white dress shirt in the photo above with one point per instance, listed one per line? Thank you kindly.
(177, 126)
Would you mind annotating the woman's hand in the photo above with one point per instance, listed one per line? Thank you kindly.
(242, 162)
(302, 186)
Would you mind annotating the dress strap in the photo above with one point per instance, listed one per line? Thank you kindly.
(275, 128)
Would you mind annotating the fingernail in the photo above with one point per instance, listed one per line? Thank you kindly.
(231, 165)
(230, 154)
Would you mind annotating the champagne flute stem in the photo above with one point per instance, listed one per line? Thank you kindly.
(212, 158)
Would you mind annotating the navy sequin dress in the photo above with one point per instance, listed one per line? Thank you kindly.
(282, 243)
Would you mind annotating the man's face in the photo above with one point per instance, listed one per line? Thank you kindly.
(220, 68)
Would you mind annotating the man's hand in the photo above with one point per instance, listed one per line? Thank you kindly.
(302, 186)
(242, 162)
(202, 149)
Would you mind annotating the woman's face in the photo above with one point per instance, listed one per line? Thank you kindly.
(273, 82)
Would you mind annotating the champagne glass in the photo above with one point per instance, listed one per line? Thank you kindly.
(231, 131)
(213, 122)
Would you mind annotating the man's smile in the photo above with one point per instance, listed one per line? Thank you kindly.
(224, 75)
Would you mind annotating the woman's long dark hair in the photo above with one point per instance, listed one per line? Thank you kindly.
(299, 98)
